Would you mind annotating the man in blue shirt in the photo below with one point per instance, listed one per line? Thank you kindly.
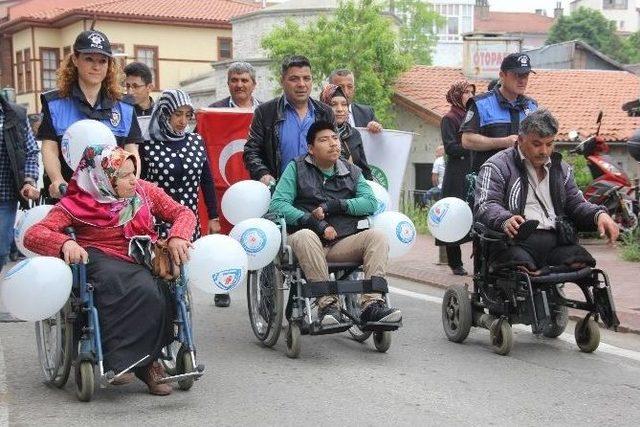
(18, 170)
(279, 128)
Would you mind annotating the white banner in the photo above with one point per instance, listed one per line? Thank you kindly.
(387, 154)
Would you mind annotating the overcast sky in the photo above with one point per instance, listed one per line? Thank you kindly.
(526, 5)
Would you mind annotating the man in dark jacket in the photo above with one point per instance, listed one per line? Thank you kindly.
(18, 170)
(279, 127)
(324, 198)
(360, 115)
(241, 81)
(531, 182)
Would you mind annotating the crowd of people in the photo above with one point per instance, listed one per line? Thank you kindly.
(121, 200)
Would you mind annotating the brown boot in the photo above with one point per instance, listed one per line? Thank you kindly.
(124, 379)
(150, 375)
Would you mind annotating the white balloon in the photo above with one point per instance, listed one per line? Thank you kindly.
(382, 195)
(449, 219)
(245, 199)
(29, 218)
(82, 134)
(217, 264)
(36, 288)
(260, 238)
(399, 230)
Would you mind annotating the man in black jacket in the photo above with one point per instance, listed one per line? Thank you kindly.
(18, 170)
(360, 115)
(279, 128)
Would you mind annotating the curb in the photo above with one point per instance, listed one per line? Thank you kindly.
(4, 406)
(573, 314)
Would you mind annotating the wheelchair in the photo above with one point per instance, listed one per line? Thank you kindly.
(265, 300)
(503, 297)
(72, 339)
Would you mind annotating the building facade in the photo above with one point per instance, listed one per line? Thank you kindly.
(625, 13)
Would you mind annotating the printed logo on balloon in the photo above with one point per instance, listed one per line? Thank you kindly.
(253, 240)
(438, 212)
(405, 232)
(227, 279)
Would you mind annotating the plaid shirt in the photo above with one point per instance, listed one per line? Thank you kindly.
(7, 180)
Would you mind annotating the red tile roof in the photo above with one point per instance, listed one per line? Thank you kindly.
(573, 96)
(512, 22)
(210, 11)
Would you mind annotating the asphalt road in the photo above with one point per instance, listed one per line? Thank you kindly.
(423, 379)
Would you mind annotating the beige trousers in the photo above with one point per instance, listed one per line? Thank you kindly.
(369, 247)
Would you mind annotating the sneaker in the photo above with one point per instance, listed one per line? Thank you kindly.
(329, 315)
(459, 271)
(379, 312)
(150, 375)
(222, 300)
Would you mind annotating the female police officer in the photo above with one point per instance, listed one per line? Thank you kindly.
(88, 88)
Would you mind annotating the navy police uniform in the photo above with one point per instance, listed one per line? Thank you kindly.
(58, 113)
(492, 115)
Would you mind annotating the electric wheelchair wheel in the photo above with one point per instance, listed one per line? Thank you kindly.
(85, 380)
(587, 335)
(54, 339)
(501, 337)
(265, 303)
(456, 313)
(293, 340)
(559, 320)
(353, 307)
(184, 365)
(382, 340)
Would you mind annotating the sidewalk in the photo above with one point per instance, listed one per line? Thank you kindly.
(420, 265)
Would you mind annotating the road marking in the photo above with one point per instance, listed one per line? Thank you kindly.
(602, 348)
(4, 406)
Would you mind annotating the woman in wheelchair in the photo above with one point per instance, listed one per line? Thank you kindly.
(112, 214)
(323, 199)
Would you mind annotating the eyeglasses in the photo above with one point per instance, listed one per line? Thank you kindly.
(134, 86)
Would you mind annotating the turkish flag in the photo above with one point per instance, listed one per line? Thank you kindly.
(225, 132)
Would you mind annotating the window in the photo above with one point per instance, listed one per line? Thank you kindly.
(118, 54)
(615, 4)
(20, 71)
(224, 48)
(452, 25)
(457, 21)
(149, 55)
(28, 77)
(49, 63)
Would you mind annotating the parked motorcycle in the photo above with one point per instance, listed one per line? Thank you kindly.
(611, 186)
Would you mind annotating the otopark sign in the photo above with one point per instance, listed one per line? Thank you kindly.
(483, 54)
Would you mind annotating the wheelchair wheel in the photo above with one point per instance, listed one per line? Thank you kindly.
(501, 337)
(54, 339)
(587, 335)
(184, 365)
(293, 340)
(265, 303)
(353, 307)
(85, 380)
(559, 320)
(456, 313)
(382, 340)
(169, 354)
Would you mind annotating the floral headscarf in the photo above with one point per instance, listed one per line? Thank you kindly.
(169, 101)
(454, 95)
(330, 91)
(92, 198)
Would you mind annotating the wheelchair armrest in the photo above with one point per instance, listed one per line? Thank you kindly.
(485, 233)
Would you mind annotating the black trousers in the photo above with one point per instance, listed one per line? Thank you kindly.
(454, 256)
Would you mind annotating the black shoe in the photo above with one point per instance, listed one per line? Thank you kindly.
(329, 315)
(222, 300)
(459, 271)
(379, 312)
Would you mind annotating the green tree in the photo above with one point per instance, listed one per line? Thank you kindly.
(632, 48)
(417, 36)
(360, 36)
(591, 27)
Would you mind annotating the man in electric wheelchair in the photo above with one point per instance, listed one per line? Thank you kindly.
(527, 206)
(325, 201)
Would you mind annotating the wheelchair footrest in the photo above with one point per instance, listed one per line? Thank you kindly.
(381, 326)
(318, 289)
(175, 378)
(317, 329)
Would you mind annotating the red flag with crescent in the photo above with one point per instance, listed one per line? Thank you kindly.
(225, 132)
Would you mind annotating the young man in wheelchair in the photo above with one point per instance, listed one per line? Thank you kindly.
(324, 200)
(529, 193)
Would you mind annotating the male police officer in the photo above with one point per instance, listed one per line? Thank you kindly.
(493, 118)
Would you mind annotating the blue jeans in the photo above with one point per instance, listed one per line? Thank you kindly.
(8, 211)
